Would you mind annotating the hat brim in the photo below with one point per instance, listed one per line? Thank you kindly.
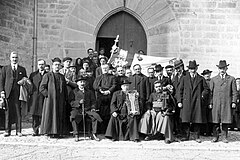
(178, 65)
(206, 73)
(192, 67)
(81, 79)
(222, 66)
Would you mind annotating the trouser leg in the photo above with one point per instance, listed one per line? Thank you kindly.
(186, 130)
(19, 117)
(75, 127)
(216, 128)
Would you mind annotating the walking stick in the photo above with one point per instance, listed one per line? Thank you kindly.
(83, 121)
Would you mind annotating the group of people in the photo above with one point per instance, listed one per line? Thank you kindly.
(90, 96)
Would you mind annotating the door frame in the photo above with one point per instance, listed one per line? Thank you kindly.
(129, 11)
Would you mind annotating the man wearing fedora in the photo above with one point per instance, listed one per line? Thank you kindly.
(180, 73)
(223, 99)
(192, 91)
(83, 103)
(122, 125)
(207, 129)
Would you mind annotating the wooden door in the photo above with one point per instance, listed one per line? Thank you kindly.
(132, 36)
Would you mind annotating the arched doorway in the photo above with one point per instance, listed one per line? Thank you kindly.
(132, 36)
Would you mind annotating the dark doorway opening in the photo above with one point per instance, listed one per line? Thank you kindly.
(106, 43)
(132, 36)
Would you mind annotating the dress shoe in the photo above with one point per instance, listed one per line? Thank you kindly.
(147, 138)
(214, 140)
(19, 134)
(167, 141)
(198, 140)
(6, 134)
(94, 137)
(224, 140)
(35, 134)
(184, 139)
(76, 139)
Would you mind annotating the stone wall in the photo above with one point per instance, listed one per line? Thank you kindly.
(16, 21)
(205, 30)
(209, 32)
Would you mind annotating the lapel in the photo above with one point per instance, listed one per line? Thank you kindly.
(9, 70)
(196, 81)
(188, 79)
(219, 79)
(141, 78)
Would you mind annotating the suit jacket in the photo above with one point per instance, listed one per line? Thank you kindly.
(176, 82)
(7, 81)
(192, 95)
(36, 98)
(223, 94)
(105, 82)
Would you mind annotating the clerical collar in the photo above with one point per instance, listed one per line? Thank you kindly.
(81, 89)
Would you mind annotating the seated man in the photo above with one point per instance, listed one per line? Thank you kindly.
(83, 101)
(123, 123)
(158, 117)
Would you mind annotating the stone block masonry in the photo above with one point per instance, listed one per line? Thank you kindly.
(205, 30)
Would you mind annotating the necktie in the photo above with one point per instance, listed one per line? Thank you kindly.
(14, 71)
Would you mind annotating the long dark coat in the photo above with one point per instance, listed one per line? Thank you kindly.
(8, 83)
(36, 98)
(141, 84)
(122, 127)
(54, 116)
(192, 97)
(223, 94)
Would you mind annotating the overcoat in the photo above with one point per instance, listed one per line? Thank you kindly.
(36, 98)
(54, 116)
(192, 95)
(223, 94)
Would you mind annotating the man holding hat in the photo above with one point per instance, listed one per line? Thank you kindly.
(223, 99)
(122, 126)
(192, 91)
(54, 114)
(83, 101)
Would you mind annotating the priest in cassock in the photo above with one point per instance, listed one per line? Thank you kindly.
(158, 118)
(104, 85)
(54, 115)
(122, 125)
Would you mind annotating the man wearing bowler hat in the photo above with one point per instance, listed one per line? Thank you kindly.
(223, 99)
(192, 91)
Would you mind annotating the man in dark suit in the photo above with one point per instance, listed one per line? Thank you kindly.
(140, 83)
(151, 79)
(83, 101)
(36, 98)
(192, 92)
(10, 88)
(104, 85)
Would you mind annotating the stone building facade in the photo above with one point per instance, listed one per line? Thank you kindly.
(204, 30)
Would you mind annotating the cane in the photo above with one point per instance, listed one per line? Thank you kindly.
(83, 121)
